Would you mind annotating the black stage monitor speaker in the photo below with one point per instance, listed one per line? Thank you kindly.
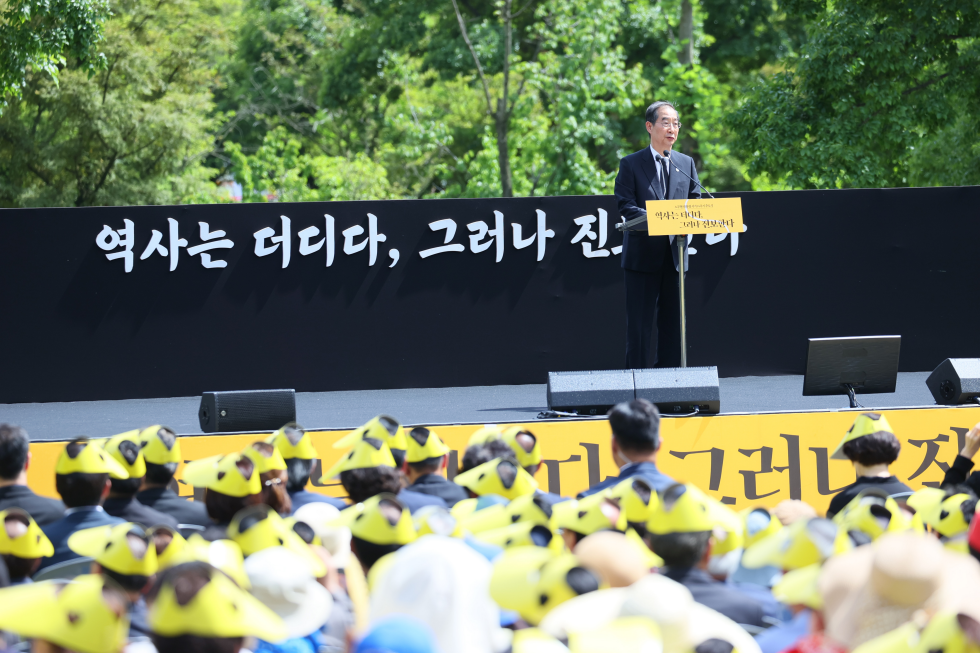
(246, 410)
(589, 393)
(673, 390)
(680, 389)
(956, 381)
(849, 366)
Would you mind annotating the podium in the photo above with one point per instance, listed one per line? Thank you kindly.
(680, 218)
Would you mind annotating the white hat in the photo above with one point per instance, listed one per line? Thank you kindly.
(336, 539)
(282, 580)
(683, 623)
(445, 584)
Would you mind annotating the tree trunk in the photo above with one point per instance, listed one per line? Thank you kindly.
(503, 117)
(686, 54)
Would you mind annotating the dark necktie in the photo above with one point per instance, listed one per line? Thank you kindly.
(664, 167)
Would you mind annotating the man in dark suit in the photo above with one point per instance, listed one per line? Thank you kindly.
(650, 263)
(161, 451)
(15, 459)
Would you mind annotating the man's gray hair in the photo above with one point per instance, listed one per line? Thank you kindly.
(651, 115)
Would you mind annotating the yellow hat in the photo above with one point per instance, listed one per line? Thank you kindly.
(681, 509)
(799, 587)
(382, 519)
(435, 520)
(484, 435)
(265, 456)
(160, 445)
(873, 513)
(945, 632)
(293, 442)
(751, 537)
(86, 614)
(168, 544)
(464, 508)
(865, 424)
(636, 499)
(126, 448)
(535, 640)
(124, 548)
(367, 452)
(304, 530)
(424, 444)
(589, 515)
(525, 457)
(952, 520)
(223, 555)
(498, 476)
(87, 459)
(528, 508)
(532, 581)
(31, 543)
(260, 527)
(522, 534)
(620, 634)
(801, 544)
(383, 427)
(234, 475)
(199, 600)
(927, 503)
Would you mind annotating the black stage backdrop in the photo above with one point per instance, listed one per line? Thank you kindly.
(77, 326)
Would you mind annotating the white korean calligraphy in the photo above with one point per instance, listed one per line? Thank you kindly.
(585, 231)
(542, 235)
(306, 235)
(282, 240)
(481, 231)
(450, 228)
(109, 239)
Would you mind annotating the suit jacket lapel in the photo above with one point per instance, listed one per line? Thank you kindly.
(650, 169)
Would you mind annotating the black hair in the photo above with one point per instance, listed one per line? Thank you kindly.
(20, 568)
(298, 472)
(222, 508)
(369, 552)
(14, 447)
(680, 550)
(478, 454)
(428, 466)
(275, 495)
(160, 474)
(364, 483)
(653, 109)
(636, 426)
(127, 487)
(880, 447)
(128, 582)
(78, 489)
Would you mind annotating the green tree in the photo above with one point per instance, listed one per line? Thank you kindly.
(136, 132)
(873, 83)
(36, 36)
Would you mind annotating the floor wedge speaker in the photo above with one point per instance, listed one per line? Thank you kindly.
(956, 381)
(589, 393)
(679, 389)
(246, 410)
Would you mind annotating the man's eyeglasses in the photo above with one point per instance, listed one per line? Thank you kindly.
(667, 124)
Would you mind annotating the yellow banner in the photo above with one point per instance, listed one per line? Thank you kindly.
(744, 460)
(704, 216)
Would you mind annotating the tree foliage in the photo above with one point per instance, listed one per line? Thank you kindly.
(870, 88)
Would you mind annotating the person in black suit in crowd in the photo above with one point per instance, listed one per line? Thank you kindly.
(161, 451)
(15, 458)
(650, 263)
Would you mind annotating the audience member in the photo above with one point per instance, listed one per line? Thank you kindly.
(680, 531)
(272, 473)
(161, 453)
(126, 449)
(82, 479)
(22, 545)
(231, 484)
(296, 448)
(425, 463)
(871, 446)
(959, 472)
(379, 526)
(635, 442)
(15, 459)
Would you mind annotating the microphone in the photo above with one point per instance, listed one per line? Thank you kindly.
(666, 156)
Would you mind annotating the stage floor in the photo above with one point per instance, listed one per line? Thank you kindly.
(431, 406)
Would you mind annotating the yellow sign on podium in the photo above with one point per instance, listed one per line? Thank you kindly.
(704, 216)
